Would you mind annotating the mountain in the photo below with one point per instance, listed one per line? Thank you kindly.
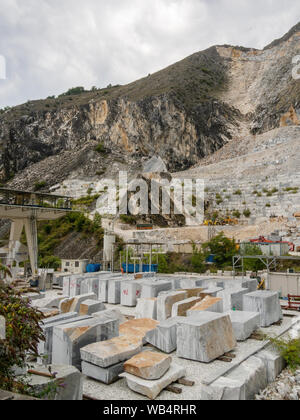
(184, 114)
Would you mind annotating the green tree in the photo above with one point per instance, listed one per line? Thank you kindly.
(252, 264)
(223, 248)
(198, 261)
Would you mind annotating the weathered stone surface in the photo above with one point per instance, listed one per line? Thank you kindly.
(181, 308)
(138, 327)
(244, 323)
(194, 292)
(273, 362)
(224, 389)
(165, 302)
(210, 304)
(152, 389)
(70, 338)
(205, 336)
(2, 328)
(252, 285)
(111, 352)
(68, 375)
(146, 308)
(253, 374)
(151, 289)
(233, 298)
(73, 304)
(89, 307)
(107, 375)
(148, 365)
(164, 336)
(266, 303)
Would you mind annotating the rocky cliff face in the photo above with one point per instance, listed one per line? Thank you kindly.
(183, 113)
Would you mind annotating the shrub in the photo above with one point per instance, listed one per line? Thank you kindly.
(23, 334)
(39, 185)
(100, 148)
(247, 213)
(238, 192)
(223, 249)
(236, 213)
(289, 350)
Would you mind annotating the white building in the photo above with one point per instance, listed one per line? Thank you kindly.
(74, 266)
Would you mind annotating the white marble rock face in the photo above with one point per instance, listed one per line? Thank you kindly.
(152, 289)
(266, 303)
(152, 389)
(205, 337)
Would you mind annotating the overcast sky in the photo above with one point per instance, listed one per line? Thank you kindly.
(52, 45)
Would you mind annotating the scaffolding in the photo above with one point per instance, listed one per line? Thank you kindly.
(143, 251)
(268, 261)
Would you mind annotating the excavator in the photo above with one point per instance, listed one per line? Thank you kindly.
(221, 222)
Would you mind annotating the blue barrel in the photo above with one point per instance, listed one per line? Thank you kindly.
(93, 268)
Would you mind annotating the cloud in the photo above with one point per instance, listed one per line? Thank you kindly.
(52, 45)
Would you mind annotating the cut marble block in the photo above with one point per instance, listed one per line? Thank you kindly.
(110, 314)
(47, 325)
(205, 336)
(273, 362)
(146, 308)
(252, 285)
(66, 286)
(210, 304)
(165, 302)
(111, 352)
(224, 389)
(68, 339)
(138, 327)
(73, 304)
(148, 365)
(75, 285)
(2, 328)
(89, 307)
(107, 375)
(151, 289)
(253, 375)
(244, 323)
(213, 292)
(233, 298)
(49, 303)
(130, 292)
(181, 308)
(114, 291)
(152, 389)
(191, 283)
(195, 292)
(69, 376)
(266, 303)
(103, 290)
(164, 336)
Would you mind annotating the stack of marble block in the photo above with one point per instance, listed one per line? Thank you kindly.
(104, 361)
(149, 373)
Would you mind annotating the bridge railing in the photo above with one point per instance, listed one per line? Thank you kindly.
(34, 199)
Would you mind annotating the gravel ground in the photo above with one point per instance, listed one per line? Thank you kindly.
(286, 387)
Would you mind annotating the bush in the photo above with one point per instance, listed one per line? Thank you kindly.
(100, 148)
(289, 350)
(39, 185)
(247, 213)
(223, 249)
(23, 334)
